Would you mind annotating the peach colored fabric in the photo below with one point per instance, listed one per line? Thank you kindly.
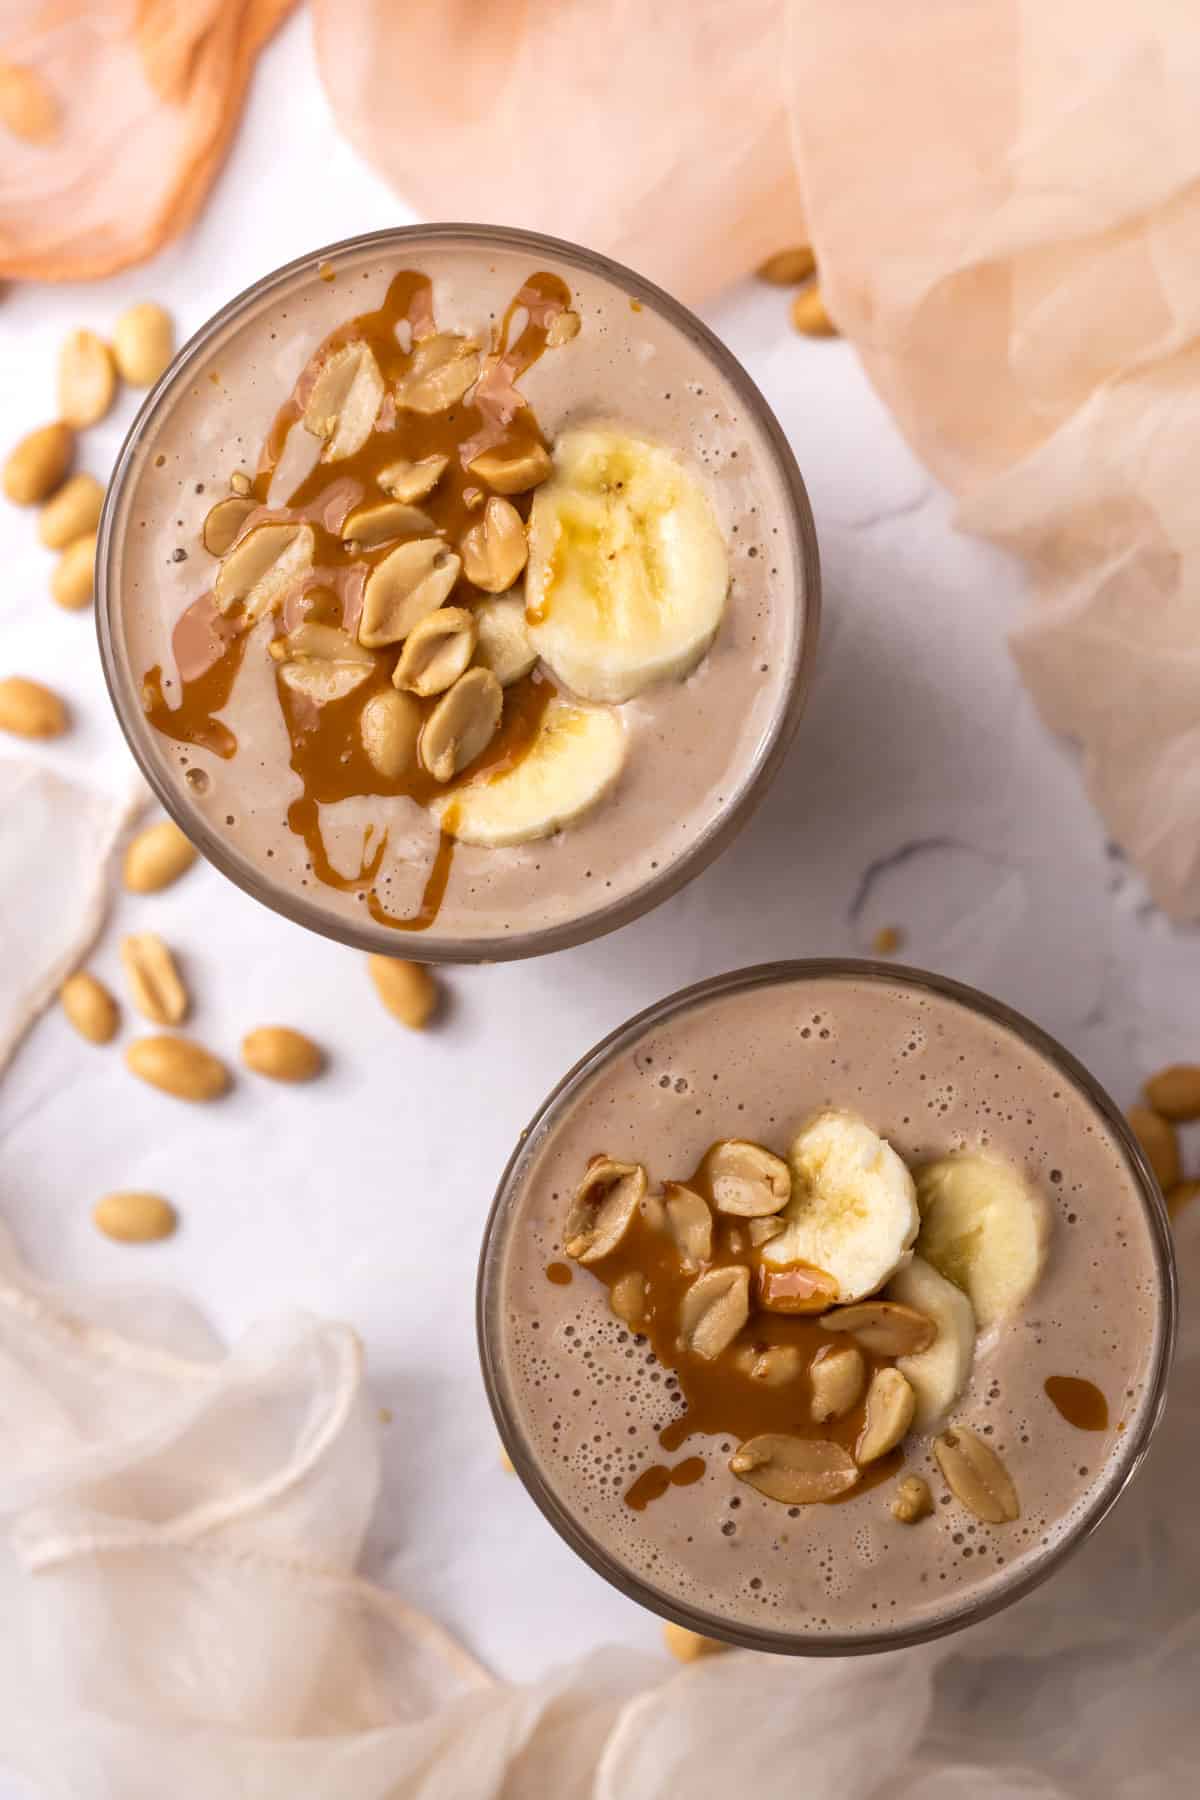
(145, 95)
(657, 132)
(1005, 202)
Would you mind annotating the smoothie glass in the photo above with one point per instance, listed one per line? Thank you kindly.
(249, 335)
(548, 1347)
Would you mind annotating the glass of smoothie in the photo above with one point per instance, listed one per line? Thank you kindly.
(458, 593)
(825, 1307)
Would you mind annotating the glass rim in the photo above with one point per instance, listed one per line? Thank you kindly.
(696, 1618)
(429, 946)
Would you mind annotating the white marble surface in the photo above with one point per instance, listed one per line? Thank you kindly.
(922, 793)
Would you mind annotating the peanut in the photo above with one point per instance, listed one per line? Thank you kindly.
(687, 1646)
(156, 857)
(282, 1054)
(134, 1218)
(407, 989)
(37, 465)
(87, 379)
(809, 315)
(71, 513)
(155, 983)
(30, 710)
(89, 1007)
(177, 1066)
(143, 343)
(74, 578)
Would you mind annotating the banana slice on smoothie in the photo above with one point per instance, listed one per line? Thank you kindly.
(938, 1375)
(853, 1211)
(628, 573)
(985, 1229)
(575, 758)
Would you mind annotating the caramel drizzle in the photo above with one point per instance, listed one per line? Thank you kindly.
(720, 1401)
(326, 746)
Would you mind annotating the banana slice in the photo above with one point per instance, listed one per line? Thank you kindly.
(937, 1376)
(574, 760)
(628, 572)
(504, 645)
(985, 1229)
(853, 1211)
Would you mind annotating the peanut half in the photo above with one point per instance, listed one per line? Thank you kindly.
(411, 481)
(87, 379)
(495, 550)
(885, 1327)
(605, 1204)
(747, 1180)
(156, 857)
(437, 651)
(143, 343)
(389, 726)
(407, 989)
(223, 522)
(461, 725)
(408, 584)
(714, 1309)
(28, 709)
(282, 1054)
(74, 578)
(837, 1375)
(71, 513)
(514, 474)
(891, 1404)
(89, 1007)
(976, 1476)
(440, 371)
(38, 464)
(155, 984)
(796, 1471)
(178, 1067)
(135, 1218)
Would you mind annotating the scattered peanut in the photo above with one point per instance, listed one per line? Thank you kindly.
(74, 577)
(1174, 1092)
(178, 1067)
(282, 1054)
(407, 989)
(38, 464)
(809, 315)
(71, 513)
(156, 857)
(134, 1218)
(1157, 1138)
(87, 379)
(788, 268)
(688, 1646)
(1181, 1195)
(28, 709)
(143, 343)
(887, 940)
(27, 107)
(155, 984)
(89, 1007)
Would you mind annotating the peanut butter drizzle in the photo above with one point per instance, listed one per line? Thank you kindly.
(654, 1482)
(558, 1274)
(1080, 1402)
(326, 745)
(720, 1400)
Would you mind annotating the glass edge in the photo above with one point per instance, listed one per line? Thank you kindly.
(421, 946)
(740, 981)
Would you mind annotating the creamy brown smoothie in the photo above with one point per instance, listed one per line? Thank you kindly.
(459, 589)
(829, 1307)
